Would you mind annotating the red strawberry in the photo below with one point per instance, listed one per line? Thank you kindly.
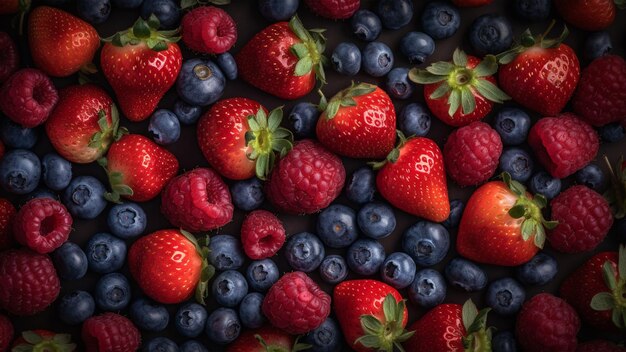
(413, 179)
(262, 234)
(334, 9)
(371, 314)
(471, 3)
(306, 180)
(498, 223)
(110, 332)
(239, 140)
(43, 340)
(6, 333)
(83, 124)
(266, 338)
(197, 200)
(28, 282)
(169, 266)
(599, 346)
(209, 30)
(60, 43)
(141, 64)
(547, 323)
(358, 122)
(284, 59)
(296, 304)
(28, 97)
(9, 57)
(462, 91)
(138, 168)
(563, 144)
(9, 6)
(7, 214)
(590, 15)
(42, 224)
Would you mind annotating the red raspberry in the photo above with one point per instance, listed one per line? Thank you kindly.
(2, 149)
(110, 332)
(42, 224)
(28, 282)
(209, 29)
(9, 58)
(472, 153)
(296, 304)
(6, 333)
(599, 346)
(28, 97)
(547, 323)
(584, 218)
(262, 234)
(197, 200)
(306, 180)
(563, 144)
(7, 214)
(48, 341)
(334, 9)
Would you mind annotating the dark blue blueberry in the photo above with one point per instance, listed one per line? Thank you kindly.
(164, 127)
(539, 270)
(361, 186)
(417, 47)
(84, 197)
(395, 14)
(428, 289)
(228, 65)
(127, 4)
(105, 253)
(366, 25)
(127, 220)
(456, 211)
(39, 192)
(200, 82)
(278, 10)
(491, 34)
(376, 220)
(465, 275)
(414, 120)
(225, 252)
(303, 119)
(160, 344)
(377, 59)
(193, 346)
(593, 177)
(426, 242)
(247, 194)
(503, 341)
(518, 163)
(505, 296)
(190, 319)
(56, 171)
(333, 269)
(187, 114)
(167, 11)
(250, 312)
(304, 251)
(543, 183)
(149, 315)
(112, 292)
(346, 59)
(75, 307)
(398, 84)
(229, 288)
(94, 11)
(20, 171)
(17, 137)
(336, 226)
(325, 338)
(262, 274)
(440, 20)
(223, 326)
(70, 261)
(612, 132)
(512, 125)
(533, 10)
(597, 44)
(365, 256)
(398, 270)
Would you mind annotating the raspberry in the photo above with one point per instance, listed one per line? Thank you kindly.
(584, 218)
(6, 333)
(306, 180)
(547, 323)
(110, 332)
(42, 224)
(599, 346)
(28, 97)
(197, 200)
(262, 234)
(563, 144)
(9, 58)
(296, 304)
(472, 153)
(7, 214)
(208, 29)
(334, 9)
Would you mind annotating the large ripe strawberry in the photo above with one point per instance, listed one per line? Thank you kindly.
(141, 64)
(334, 9)
(462, 91)
(60, 43)
(284, 59)
(372, 315)
(266, 338)
(239, 139)
(43, 340)
(138, 168)
(590, 15)
(358, 122)
(413, 179)
(502, 224)
(83, 124)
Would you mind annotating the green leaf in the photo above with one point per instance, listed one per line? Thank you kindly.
(550, 225)
(467, 101)
(360, 89)
(298, 29)
(441, 91)
(490, 91)
(469, 313)
(528, 229)
(282, 133)
(370, 324)
(441, 68)
(540, 200)
(281, 144)
(480, 322)
(389, 308)
(348, 101)
(300, 50)
(621, 262)
(219, 2)
(608, 273)
(123, 190)
(459, 58)
(153, 22)
(618, 318)
(31, 337)
(540, 235)
(253, 121)
(424, 77)
(602, 301)
(261, 166)
(273, 121)
(304, 66)
(517, 211)
(188, 3)
(62, 338)
(487, 67)
(141, 29)
(370, 341)
(333, 108)
(454, 101)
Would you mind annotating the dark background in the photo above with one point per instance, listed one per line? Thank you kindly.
(186, 149)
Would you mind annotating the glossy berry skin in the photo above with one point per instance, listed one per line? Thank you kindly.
(94, 11)
(398, 85)
(112, 292)
(208, 30)
(187, 114)
(593, 177)
(303, 119)
(225, 252)
(428, 288)
(167, 11)
(262, 274)
(440, 20)
(193, 346)
(597, 44)
(504, 341)
(589, 16)
(337, 226)
(456, 211)
(262, 234)
(517, 162)
(426, 242)
(105, 253)
(398, 270)
(200, 82)
(376, 220)
(346, 59)
(333, 269)
(538, 271)
(417, 47)
(361, 185)
(20, 171)
(505, 296)
(190, 319)
(15, 136)
(110, 332)
(490, 34)
(544, 184)
(28, 97)
(127, 220)
(366, 25)
(160, 344)
(533, 10)
(42, 224)
(228, 65)
(325, 338)
(250, 312)
(512, 125)
(334, 9)
(395, 14)
(76, 307)
(84, 197)
(278, 10)
(56, 171)
(247, 195)
(414, 120)
(612, 132)
(148, 315)
(365, 256)
(164, 127)
(465, 275)
(10, 59)
(229, 288)
(70, 261)
(304, 252)
(273, 337)
(7, 214)
(377, 59)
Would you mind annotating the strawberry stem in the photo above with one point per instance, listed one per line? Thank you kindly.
(309, 51)
(266, 138)
(385, 335)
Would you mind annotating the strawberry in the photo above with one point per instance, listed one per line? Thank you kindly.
(141, 64)
(471, 3)
(358, 122)
(9, 58)
(462, 91)
(372, 315)
(10, 6)
(6, 332)
(208, 29)
(137, 168)
(110, 332)
(498, 223)
(262, 234)
(169, 265)
(334, 9)
(7, 214)
(284, 59)
(266, 338)
(590, 15)
(43, 340)
(239, 140)
(83, 124)
(413, 179)
(60, 43)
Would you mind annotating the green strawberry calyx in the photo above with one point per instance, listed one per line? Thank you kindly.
(621, 4)
(616, 195)
(386, 334)
(477, 335)
(297, 346)
(394, 154)
(145, 31)
(309, 51)
(614, 299)
(527, 41)
(207, 270)
(116, 181)
(108, 133)
(345, 98)
(36, 342)
(266, 138)
(460, 84)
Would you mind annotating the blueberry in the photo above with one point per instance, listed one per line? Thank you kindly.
(127, 220)
(336, 226)
(512, 125)
(333, 269)
(503, 341)
(40, 192)
(398, 270)
(190, 319)
(167, 11)
(70, 261)
(127, 4)
(376, 220)
(361, 186)
(187, 114)
(200, 82)
(597, 44)
(325, 338)
(543, 183)
(465, 275)
(346, 59)
(456, 211)
(84, 197)
(395, 14)
(20, 171)
(377, 59)
(75, 307)
(105, 253)
(505, 296)
(149, 315)
(366, 25)
(17, 137)
(56, 171)
(417, 47)
(223, 326)
(491, 34)
(398, 84)
(426, 242)
(365, 256)
(229, 288)
(250, 311)
(428, 289)
(160, 344)
(225, 252)
(112, 292)
(533, 10)
(303, 119)
(304, 251)
(278, 10)
(440, 20)
(94, 11)
(612, 132)
(539, 270)
(193, 346)
(593, 177)
(518, 163)
(164, 127)
(262, 274)
(247, 194)
(414, 120)
(228, 65)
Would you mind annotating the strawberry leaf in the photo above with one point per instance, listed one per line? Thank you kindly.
(454, 101)
(487, 67)
(441, 91)
(468, 102)
(32, 337)
(540, 200)
(62, 338)
(273, 121)
(517, 211)
(608, 273)
(389, 308)
(348, 101)
(370, 324)
(528, 229)
(459, 58)
(304, 66)
(621, 264)
(469, 313)
(540, 235)
(333, 108)
(424, 77)
(602, 301)
(441, 68)
(300, 50)
(490, 91)
(141, 29)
